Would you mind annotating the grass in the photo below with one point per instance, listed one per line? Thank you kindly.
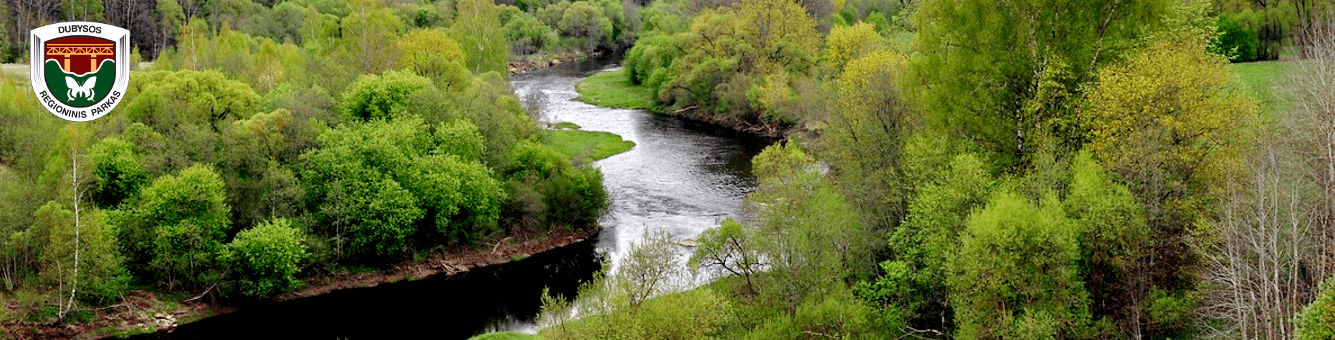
(613, 89)
(506, 336)
(1265, 79)
(567, 126)
(588, 145)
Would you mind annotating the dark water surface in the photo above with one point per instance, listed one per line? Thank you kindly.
(681, 177)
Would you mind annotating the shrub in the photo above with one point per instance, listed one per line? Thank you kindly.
(266, 257)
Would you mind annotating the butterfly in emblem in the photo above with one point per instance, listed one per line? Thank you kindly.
(85, 91)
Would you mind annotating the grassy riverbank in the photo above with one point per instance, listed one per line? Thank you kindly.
(613, 89)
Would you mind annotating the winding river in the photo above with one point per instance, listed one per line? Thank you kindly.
(682, 177)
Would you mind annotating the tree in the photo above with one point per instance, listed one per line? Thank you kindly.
(367, 35)
(1114, 242)
(807, 232)
(1005, 74)
(651, 268)
(1016, 274)
(730, 248)
(478, 30)
(267, 257)
(96, 276)
(925, 244)
(1172, 127)
(433, 54)
(117, 170)
(585, 20)
(381, 96)
(1317, 320)
(865, 136)
(848, 43)
(177, 227)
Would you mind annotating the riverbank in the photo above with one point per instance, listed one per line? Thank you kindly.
(612, 89)
(144, 312)
(542, 61)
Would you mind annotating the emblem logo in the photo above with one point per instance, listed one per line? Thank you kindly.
(80, 69)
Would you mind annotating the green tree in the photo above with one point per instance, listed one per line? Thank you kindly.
(1113, 238)
(1173, 126)
(368, 33)
(585, 20)
(119, 174)
(433, 54)
(925, 244)
(865, 136)
(1005, 74)
(381, 96)
(1317, 320)
(478, 30)
(808, 233)
(267, 257)
(1016, 274)
(730, 248)
(848, 43)
(177, 227)
(100, 277)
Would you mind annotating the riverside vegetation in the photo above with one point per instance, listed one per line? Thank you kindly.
(1032, 169)
(272, 142)
(1019, 169)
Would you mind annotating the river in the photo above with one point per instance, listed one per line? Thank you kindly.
(682, 177)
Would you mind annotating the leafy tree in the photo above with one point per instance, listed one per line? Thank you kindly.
(1172, 126)
(100, 277)
(1113, 240)
(1004, 74)
(367, 33)
(1016, 274)
(729, 247)
(381, 97)
(267, 257)
(255, 151)
(925, 244)
(433, 54)
(188, 108)
(1317, 320)
(849, 43)
(865, 136)
(462, 195)
(177, 227)
(585, 20)
(119, 174)
(806, 230)
(528, 35)
(460, 138)
(478, 30)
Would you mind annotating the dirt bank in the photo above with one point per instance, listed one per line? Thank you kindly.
(145, 312)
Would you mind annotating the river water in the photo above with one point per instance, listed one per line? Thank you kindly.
(681, 177)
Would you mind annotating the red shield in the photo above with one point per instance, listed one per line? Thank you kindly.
(80, 55)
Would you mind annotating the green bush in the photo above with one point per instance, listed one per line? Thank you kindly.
(1237, 39)
(381, 96)
(1317, 320)
(178, 225)
(119, 174)
(575, 197)
(266, 257)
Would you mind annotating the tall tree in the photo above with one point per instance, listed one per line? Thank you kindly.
(1006, 73)
(478, 30)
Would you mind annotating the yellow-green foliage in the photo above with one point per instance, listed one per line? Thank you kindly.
(433, 54)
(694, 314)
(848, 43)
(1174, 108)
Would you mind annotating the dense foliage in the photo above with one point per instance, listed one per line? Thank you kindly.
(273, 141)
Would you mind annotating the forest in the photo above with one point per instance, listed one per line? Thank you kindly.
(949, 169)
